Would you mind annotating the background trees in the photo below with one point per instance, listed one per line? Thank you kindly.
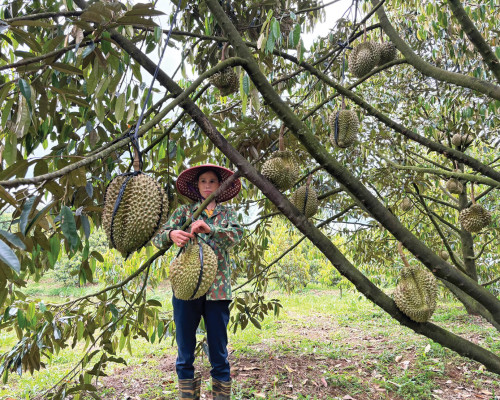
(74, 81)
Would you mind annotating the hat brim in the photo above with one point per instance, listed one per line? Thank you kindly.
(187, 182)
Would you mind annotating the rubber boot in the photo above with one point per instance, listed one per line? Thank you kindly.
(221, 390)
(189, 389)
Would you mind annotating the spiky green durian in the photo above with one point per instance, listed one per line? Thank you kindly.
(347, 128)
(454, 186)
(226, 81)
(281, 169)
(142, 208)
(186, 268)
(387, 52)
(474, 218)
(306, 200)
(363, 58)
(415, 295)
(406, 204)
(459, 140)
(444, 254)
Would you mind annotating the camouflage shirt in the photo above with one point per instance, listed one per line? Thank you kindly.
(225, 232)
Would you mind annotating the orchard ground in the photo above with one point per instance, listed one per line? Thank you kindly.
(321, 346)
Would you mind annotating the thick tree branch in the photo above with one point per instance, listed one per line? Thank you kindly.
(427, 69)
(476, 38)
(357, 190)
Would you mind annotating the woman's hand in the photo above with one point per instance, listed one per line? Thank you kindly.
(200, 226)
(180, 238)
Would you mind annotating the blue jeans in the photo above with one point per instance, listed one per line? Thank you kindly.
(187, 316)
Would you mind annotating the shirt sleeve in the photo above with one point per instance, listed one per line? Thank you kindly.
(175, 221)
(228, 233)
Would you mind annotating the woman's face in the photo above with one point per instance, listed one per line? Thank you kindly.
(208, 183)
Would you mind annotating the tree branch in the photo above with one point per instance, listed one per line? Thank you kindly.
(476, 38)
(427, 69)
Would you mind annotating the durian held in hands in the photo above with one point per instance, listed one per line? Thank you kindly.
(416, 292)
(226, 80)
(193, 271)
(132, 221)
(305, 199)
(282, 168)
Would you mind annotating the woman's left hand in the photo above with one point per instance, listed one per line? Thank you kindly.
(200, 226)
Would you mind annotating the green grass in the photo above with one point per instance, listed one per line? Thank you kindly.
(352, 333)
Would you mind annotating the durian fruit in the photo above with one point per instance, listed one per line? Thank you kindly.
(454, 186)
(305, 199)
(185, 271)
(387, 51)
(416, 292)
(143, 207)
(444, 254)
(474, 218)
(282, 168)
(347, 124)
(226, 81)
(363, 58)
(406, 204)
(460, 140)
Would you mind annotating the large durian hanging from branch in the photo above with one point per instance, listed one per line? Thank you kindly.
(363, 58)
(226, 80)
(344, 125)
(193, 271)
(135, 206)
(416, 292)
(305, 199)
(282, 168)
(454, 186)
(387, 52)
(475, 217)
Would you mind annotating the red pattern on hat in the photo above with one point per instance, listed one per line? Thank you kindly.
(187, 183)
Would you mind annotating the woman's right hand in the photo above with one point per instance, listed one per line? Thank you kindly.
(180, 238)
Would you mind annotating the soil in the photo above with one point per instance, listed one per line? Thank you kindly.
(291, 373)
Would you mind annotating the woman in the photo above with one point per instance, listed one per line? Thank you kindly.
(219, 227)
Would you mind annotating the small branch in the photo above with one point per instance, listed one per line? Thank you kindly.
(491, 282)
(45, 15)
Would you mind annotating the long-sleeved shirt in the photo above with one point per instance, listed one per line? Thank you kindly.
(225, 232)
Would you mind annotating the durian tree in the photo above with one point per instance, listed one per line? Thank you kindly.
(75, 75)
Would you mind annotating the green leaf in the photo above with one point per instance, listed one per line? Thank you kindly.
(66, 68)
(13, 239)
(296, 34)
(9, 258)
(23, 219)
(275, 25)
(246, 84)
(10, 151)
(25, 89)
(55, 246)
(270, 44)
(154, 303)
(85, 226)
(68, 227)
(120, 107)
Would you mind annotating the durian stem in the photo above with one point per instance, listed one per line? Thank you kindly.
(223, 56)
(343, 102)
(472, 198)
(309, 179)
(403, 257)
(282, 138)
(137, 164)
